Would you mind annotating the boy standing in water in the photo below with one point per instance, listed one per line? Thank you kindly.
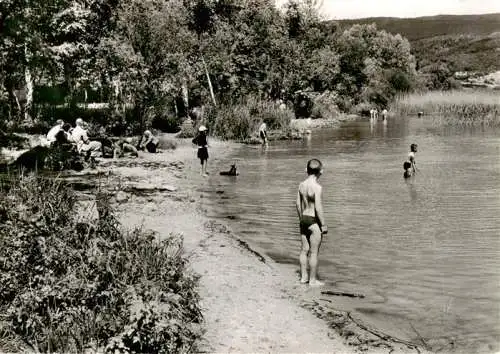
(411, 157)
(407, 168)
(312, 221)
(263, 133)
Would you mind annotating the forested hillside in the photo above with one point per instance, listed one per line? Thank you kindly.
(456, 43)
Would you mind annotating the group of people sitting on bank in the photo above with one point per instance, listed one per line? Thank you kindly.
(63, 134)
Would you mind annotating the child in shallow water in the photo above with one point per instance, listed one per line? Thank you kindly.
(411, 157)
(312, 222)
(201, 141)
(407, 168)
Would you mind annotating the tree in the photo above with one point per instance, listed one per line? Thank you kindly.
(23, 48)
(369, 59)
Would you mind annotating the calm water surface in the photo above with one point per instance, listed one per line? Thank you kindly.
(429, 249)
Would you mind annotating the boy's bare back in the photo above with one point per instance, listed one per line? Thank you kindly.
(309, 197)
(308, 190)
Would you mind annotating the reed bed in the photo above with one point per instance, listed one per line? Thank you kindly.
(452, 107)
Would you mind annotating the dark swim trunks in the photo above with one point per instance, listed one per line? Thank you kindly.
(305, 222)
(262, 134)
(203, 153)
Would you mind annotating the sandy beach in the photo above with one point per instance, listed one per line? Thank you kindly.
(251, 304)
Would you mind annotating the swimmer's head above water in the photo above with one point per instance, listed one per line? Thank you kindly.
(314, 167)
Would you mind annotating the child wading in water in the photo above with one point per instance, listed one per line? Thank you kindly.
(411, 157)
(407, 168)
(201, 141)
(312, 222)
(263, 133)
(410, 165)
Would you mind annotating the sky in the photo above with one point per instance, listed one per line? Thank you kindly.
(341, 9)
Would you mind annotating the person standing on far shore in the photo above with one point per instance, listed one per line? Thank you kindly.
(263, 133)
(312, 222)
(201, 141)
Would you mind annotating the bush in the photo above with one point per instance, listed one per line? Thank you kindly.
(70, 284)
(13, 141)
(167, 144)
(303, 104)
(324, 105)
(241, 121)
(160, 117)
(363, 108)
(168, 124)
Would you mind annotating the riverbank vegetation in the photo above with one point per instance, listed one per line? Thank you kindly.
(152, 63)
(241, 120)
(71, 283)
(452, 107)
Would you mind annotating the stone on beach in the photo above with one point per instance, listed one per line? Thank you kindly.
(121, 197)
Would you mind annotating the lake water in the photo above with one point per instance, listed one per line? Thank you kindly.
(426, 253)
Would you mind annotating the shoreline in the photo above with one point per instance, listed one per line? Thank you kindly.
(251, 303)
(242, 291)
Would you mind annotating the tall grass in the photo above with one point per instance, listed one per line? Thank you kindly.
(453, 107)
(241, 121)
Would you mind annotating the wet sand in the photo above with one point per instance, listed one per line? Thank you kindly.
(250, 303)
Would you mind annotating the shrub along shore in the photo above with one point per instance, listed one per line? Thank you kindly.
(72, 283)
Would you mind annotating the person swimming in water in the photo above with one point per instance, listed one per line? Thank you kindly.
(312, 222)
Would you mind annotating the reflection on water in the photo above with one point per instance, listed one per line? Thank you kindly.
(429, 246)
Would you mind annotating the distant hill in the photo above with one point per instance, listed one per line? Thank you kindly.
(463, 42)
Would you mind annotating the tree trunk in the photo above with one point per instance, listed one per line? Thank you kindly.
(16, 100)
(28, 108)
(185, 97)
(68, 78)
(209, 81)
